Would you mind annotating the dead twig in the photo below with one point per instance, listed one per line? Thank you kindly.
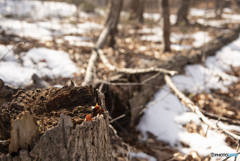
(117, 118)
(11, 50)
(89, 72)
(206, 131)
(188, 103)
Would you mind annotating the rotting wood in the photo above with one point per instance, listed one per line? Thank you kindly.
(24, 132)
(72, 138)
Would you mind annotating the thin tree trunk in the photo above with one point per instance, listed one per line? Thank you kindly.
(107, 35)
(166, 26)
(137, 10)
(183, 13)
(112, 21)
(219, 6)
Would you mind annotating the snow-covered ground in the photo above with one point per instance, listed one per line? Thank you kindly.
(227, 17)
(38, 10)
(46, 30)
(43, 21)
(166, 118)
(142, 155)
(199, 37)
(155, 34)
(44, 62)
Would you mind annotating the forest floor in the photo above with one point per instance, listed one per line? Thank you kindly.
(53, 44)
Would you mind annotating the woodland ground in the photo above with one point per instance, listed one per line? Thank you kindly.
(63, 47)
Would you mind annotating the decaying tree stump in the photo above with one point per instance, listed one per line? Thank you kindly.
(50, 124)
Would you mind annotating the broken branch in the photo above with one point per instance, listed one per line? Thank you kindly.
(188, 103)
(132, 70)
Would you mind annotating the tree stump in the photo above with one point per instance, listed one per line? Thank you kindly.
(50, 124)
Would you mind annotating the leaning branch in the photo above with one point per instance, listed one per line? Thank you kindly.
(132, 70)
(188, 103)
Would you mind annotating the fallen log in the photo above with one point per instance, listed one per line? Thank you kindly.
(177, 63)
(55, 124)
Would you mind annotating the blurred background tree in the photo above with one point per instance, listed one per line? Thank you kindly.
(137, 10)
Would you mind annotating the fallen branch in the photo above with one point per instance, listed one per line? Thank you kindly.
(188, 103)
(89, 72)
(11, 50)
(132, 70)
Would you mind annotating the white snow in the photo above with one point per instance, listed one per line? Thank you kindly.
(42, 61)
(200, 37)
(46, 30)
(7, 51)
(205, 14)
(79, 41)
(166, 118)
(50, 63)
(152, 16)
(15, 74)
(37, 10)
(25, 29)
(178, 47)
(42, 20)
(157, 16)
(142, 155)
(201, 12)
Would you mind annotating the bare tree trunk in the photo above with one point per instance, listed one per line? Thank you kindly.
(137, 10)
(107, 35)
(183, 13)
(112, 20)
(219, 6)
(166, 26)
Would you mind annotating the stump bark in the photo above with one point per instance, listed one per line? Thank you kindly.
(57, 114)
